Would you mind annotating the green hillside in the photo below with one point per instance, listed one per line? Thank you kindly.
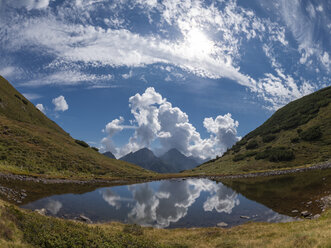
(30, 143)
(297, 134)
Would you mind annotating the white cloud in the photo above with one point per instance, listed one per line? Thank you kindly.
(210, 40)
(303, 24)
(28, 4)
(280, 89)
(157, 119)
(320, 8)
(325, 59)
(69, 77)
(31, 96)
(41, 107)
(60, 104)
(127, 75)
(7, 71)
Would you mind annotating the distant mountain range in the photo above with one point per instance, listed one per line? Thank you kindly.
(172, 161)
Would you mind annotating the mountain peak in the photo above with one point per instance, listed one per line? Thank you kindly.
(109, 155)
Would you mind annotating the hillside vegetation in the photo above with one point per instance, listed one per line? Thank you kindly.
(297, 134)
(32, 144)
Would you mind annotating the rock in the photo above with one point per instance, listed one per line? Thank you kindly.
(305, 214)
(316, 216)
(222, 224)
(42, 211)
(244, 217)
(310, 202)
(84, 219)
(295, 211)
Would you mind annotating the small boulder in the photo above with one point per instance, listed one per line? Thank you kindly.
(244, 217)
(295, 211)
(222, 224)
(305, 214)
(85, 219)
(42, 211)
(316, 216)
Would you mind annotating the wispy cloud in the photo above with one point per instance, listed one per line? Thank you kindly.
(69, 77)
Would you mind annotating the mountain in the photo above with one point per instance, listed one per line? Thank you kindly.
(109, 155)
(146, 159)
(178, 160)
(297, 134)
(32, 144)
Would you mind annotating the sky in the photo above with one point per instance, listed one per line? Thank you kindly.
(193, 75)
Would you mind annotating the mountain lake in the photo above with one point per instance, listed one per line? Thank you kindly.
(186, 202)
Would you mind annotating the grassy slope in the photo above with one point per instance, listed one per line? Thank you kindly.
(21, 228)
(282, 141)
(32, 144)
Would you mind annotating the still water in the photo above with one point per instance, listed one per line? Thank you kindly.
(163, 204)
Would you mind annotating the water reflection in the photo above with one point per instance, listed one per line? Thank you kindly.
(53, 206)
(163, 204)
(224, 200)
(171, 201)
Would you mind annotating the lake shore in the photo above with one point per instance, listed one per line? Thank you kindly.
(117, 181)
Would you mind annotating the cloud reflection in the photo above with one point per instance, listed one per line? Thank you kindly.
(53, 206)
(113, 199)
(224, 200)
(172, 200)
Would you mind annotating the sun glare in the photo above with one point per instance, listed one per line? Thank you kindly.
(198, 43)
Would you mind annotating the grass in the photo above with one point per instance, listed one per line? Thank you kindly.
(32, 144)
(21, 228)
(297, 135)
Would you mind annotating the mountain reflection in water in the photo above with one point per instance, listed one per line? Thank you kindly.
(163, 204)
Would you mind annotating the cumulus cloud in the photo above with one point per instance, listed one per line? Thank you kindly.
(157, 119)
(41, 107)
(60, 104)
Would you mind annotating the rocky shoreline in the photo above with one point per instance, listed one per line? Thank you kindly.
(321, 166)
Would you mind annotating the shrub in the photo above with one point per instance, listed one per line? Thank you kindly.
(17, 96)
(5, 232)
(25, 101)
(313, 133)
(295, 140)
(82, 143)
(252, 145)
(250, 154)
(276, 154)
(299, 130)
(95, 149)
(133, 229)
(281, 155)
(268, 138)
(238, 157)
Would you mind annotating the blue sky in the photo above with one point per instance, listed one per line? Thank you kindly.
(193, 75)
